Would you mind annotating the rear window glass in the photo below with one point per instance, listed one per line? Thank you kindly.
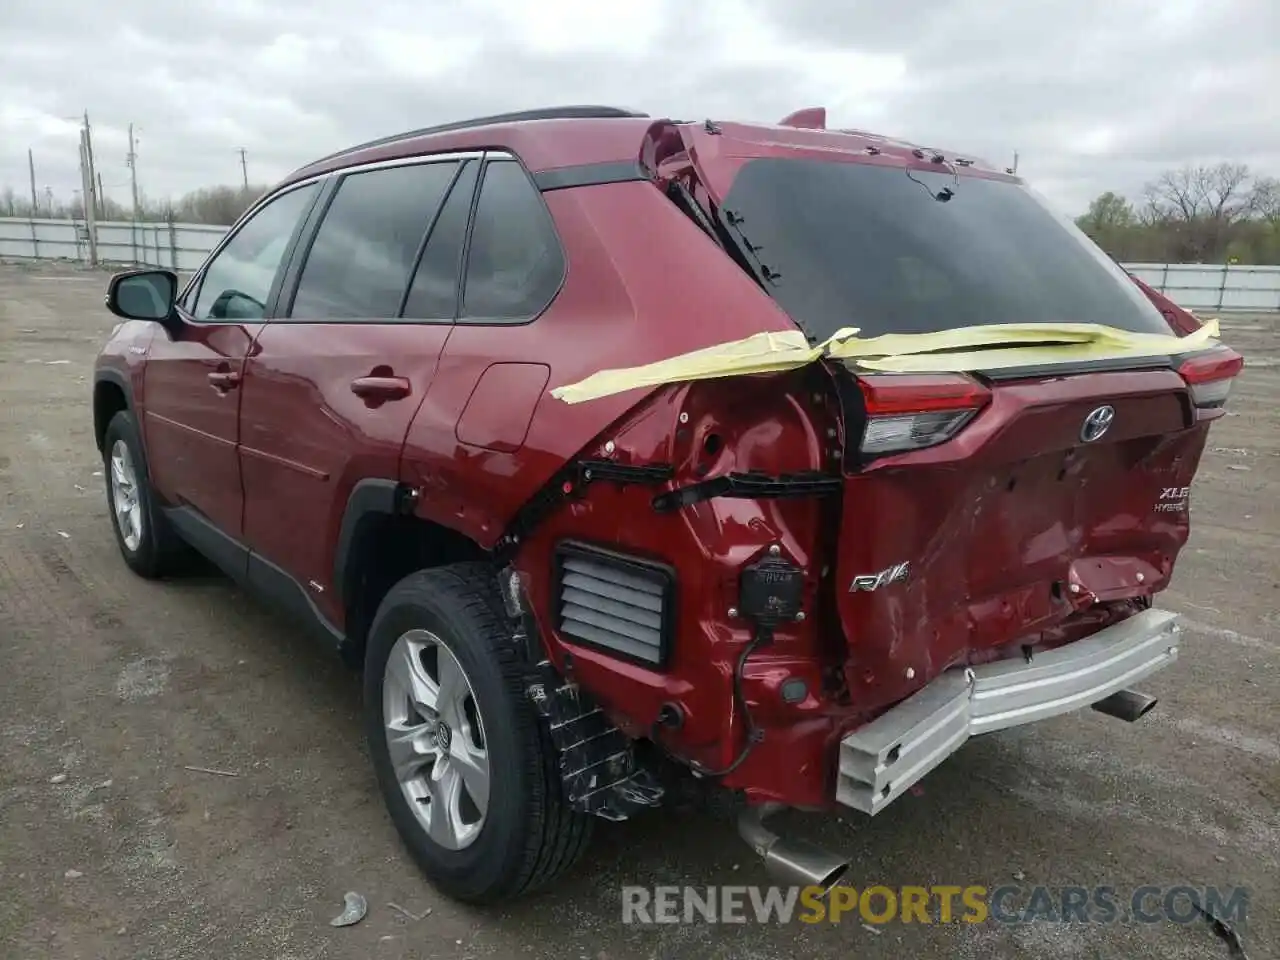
(514, 261)
(870, 247)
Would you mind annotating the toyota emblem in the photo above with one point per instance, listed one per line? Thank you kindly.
(1097, 423)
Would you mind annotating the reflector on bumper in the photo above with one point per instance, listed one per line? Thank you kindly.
(882, 759)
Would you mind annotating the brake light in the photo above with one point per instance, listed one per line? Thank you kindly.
(1210, 376)
(914, 411)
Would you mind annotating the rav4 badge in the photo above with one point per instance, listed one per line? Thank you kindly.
(874, 581)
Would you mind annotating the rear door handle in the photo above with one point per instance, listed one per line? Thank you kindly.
(381, 388)
(224, 379)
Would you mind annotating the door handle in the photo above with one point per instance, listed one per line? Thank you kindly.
(381, 388)
(224, 379)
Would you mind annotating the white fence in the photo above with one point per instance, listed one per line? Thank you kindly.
(178, 246)
(183, 247)
(1213, 286)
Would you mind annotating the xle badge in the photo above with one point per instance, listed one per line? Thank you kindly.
(874, 581)
(1172, 499)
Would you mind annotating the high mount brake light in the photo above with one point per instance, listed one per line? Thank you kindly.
(914, 411)
(1210, 375)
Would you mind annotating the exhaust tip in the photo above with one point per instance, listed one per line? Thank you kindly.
(796, 863)
(791, 862)
(832, 880)
(1127, 705)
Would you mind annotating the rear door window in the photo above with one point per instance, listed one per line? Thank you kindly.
(433, 295)
(362, 256)
(873, 247)
(514, 261)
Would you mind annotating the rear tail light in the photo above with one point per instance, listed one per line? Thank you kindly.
(914, 411)
(1210, 376)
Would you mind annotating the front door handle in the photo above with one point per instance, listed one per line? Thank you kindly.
(381, 388)
(223, 380)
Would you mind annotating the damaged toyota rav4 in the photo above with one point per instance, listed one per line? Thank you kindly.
(636, 460)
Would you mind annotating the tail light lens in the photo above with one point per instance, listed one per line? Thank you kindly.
(1210, 376)
(914, 411)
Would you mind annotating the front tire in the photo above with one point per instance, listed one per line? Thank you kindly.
(149, 545)
(467, 771)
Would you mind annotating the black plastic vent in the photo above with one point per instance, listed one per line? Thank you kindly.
(610, 601)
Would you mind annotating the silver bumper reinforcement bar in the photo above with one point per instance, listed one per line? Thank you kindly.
(885, 757)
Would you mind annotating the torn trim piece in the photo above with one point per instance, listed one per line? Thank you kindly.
(569, 483)
(750, 486)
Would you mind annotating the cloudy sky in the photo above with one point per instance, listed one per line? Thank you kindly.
(1093, 94)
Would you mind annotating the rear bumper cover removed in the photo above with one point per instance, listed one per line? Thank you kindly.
(882, 759)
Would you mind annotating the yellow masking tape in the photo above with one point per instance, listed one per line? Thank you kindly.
(761, 353)
(1014, 345)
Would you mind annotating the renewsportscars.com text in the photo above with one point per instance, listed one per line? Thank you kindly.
(1010, 903)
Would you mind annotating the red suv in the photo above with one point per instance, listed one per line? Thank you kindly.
(800, 583)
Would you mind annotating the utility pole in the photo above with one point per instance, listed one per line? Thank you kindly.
(31, 165)
(132, 161)
(1015, 161)
(86, 193)
(91, 198)
(102, 199)
(244, 169)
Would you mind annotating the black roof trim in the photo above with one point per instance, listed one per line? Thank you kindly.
(589, 175)
(571, 112)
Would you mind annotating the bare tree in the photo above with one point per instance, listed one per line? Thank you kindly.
(1266, 200)
(1200, 206)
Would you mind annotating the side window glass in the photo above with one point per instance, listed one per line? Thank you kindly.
(434, 293)
(359, 263)
(237, 282)
(514, 264)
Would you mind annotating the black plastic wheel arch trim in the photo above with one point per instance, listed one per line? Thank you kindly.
(373, 495)
(118, 379)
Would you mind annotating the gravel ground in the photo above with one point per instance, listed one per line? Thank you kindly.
(112, 687)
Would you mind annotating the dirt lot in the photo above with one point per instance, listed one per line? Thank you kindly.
(112, 686)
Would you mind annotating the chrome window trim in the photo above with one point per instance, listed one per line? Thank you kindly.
(416, 159)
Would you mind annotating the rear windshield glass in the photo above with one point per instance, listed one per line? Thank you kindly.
(870, 247)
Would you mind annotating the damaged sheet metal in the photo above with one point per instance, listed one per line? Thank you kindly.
(986, 347)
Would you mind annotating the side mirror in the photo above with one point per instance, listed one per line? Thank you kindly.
(143, 294)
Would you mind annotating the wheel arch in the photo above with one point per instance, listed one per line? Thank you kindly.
(380, 541)
(112, 393)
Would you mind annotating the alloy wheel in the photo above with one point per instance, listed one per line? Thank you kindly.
(125, 500)
(435, 738)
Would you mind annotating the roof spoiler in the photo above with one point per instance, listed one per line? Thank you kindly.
(808, 118)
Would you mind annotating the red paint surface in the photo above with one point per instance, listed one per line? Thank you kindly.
(191, 426)
(307, 438)
(501, 407)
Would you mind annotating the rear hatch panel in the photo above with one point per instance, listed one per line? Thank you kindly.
(1014, 528)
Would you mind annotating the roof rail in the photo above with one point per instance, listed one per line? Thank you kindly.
(572, 112)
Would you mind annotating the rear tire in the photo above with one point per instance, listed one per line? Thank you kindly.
(147, 541)
(517, 833)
